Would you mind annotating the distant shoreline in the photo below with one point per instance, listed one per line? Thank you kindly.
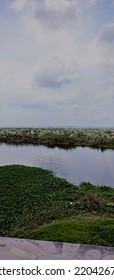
(102, 138)
(58, 126)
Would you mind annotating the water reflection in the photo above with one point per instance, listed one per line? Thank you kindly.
(76, 165)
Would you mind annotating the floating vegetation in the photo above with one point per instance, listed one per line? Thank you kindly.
(34, 203)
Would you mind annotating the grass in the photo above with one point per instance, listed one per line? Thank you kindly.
(99, 232)
(60, 137)
(36, 204)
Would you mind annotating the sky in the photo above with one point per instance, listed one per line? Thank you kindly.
(57, 63)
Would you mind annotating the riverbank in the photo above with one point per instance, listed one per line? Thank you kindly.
(36, 204)
(60, 137)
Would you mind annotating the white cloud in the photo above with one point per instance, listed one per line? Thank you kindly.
(49, 13)
(107, 33)
(100, 51)
(100, 2)
(55, 73)
(93, 2)
(15, 81)
(18, 5)
(112, 80)
(61, 56)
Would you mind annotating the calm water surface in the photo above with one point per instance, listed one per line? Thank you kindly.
(76, 165)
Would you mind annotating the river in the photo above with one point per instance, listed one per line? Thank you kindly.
(75, 165)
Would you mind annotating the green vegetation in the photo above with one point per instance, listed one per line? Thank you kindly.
(100, 232)
(36, 204)
(61, 137)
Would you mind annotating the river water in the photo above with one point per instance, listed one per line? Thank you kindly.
(75, 165)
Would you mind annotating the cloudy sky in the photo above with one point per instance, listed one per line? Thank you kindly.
(56, 63)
